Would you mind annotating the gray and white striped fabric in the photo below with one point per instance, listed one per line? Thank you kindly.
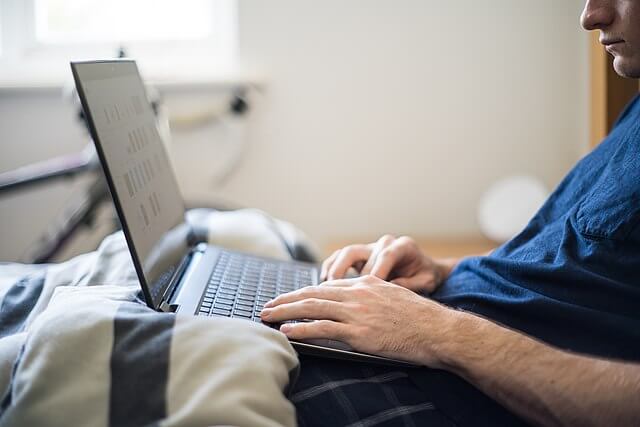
(78, 347)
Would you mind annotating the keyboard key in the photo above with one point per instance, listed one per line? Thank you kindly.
(222, 306)
(231, 285)
(225, 300)
(242, 313)
(248, 307)
(221, 312)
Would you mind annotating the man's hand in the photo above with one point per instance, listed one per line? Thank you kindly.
(400, 261)
(367, 313)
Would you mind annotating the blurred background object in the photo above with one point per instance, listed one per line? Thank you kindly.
(366, 117)
(81, 212)
(508, 205)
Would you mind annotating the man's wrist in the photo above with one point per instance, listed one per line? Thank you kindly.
(471, 344)
(440, 327)
(460, 340)
(445, 266)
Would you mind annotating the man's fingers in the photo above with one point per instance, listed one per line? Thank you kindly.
(348, 257)
(391, 257)
(385, 262)
(317, 329)
(333, 293)
(326, 265)
(344, 283)
(378, 247)
(405, 282)
(414, 283)
(312, 308)
(419, 282)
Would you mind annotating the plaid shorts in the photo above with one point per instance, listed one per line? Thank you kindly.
(333, 392)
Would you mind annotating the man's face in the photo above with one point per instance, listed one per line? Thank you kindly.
(619, 25)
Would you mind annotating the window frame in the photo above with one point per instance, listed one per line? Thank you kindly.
(25, 60)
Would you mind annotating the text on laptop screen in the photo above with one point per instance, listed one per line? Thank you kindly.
(138, 167)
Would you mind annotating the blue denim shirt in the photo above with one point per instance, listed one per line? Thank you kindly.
(572, 277)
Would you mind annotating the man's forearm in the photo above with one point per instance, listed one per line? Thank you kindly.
(540, 383)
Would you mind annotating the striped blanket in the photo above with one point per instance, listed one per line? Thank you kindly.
(78, 347)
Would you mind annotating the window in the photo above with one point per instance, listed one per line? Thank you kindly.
(81, 21)
(170, 39)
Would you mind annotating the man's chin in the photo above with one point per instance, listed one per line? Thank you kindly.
(626, 67)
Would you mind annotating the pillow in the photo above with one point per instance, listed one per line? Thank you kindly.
(96, 357)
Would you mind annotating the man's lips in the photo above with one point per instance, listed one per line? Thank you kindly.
(609, 42)
(612, 45)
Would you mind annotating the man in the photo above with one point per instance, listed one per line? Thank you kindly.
(547, 326)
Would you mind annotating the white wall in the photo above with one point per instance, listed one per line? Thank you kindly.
(396, 115)
(377, 116)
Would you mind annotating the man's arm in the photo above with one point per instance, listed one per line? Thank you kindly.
(544, 385)
(540, 383)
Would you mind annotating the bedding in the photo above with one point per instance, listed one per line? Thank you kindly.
(79, 347)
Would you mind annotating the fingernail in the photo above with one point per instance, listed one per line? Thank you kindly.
(285, 328)
(265, 312)
(268, 304)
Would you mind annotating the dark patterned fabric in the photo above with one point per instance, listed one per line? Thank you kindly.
(340, 393)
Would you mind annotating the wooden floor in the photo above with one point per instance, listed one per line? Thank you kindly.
(437, 247)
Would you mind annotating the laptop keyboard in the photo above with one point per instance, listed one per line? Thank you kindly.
(240, 285)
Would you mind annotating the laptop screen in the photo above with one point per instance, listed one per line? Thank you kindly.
(137, 167)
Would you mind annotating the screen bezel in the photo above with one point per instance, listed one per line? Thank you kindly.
(114, 68)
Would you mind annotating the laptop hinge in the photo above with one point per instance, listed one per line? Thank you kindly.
(168, 308)
(175, 280)
(185, 265)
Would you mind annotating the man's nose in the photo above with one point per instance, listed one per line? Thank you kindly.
(597, 14)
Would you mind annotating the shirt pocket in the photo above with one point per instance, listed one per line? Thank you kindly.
(611, 210)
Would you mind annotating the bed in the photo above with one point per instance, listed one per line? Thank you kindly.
(78, 346)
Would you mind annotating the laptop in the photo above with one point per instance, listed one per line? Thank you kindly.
(178, 271)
